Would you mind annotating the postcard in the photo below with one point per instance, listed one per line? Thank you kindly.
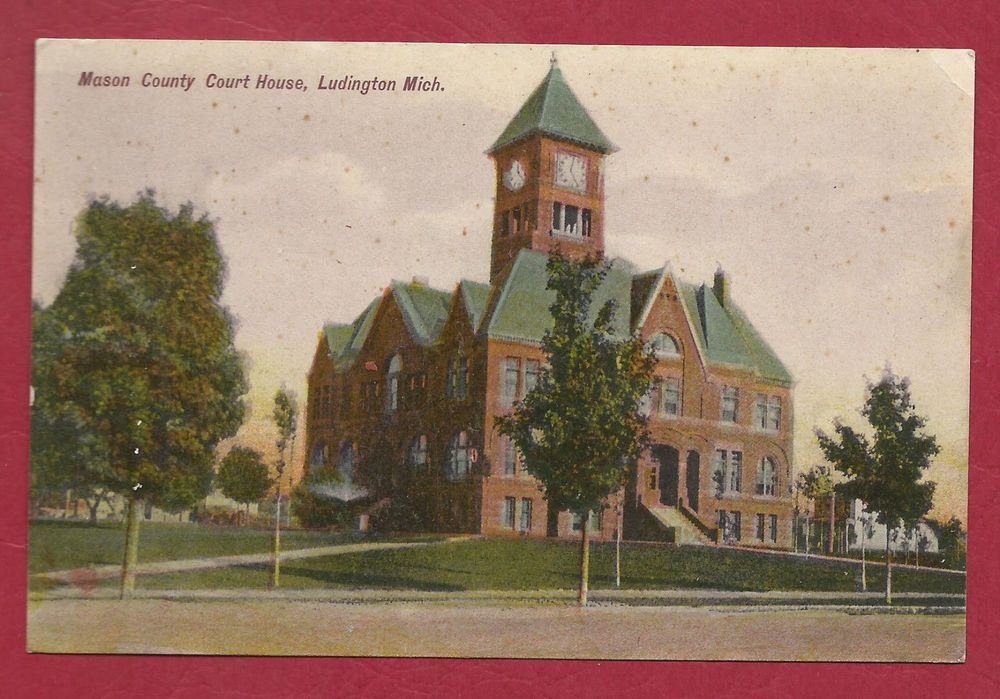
(448, 350)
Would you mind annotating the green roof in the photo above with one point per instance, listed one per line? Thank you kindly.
(424, 309)
(338, 336)
(725, 335)
(521, 312)
(475, 295)
(553, 110)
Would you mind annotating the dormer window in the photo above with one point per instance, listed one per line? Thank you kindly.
(664, 345)
(458, 378)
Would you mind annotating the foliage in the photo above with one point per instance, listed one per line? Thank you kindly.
(135, 374)
(951, 541)
(885, 471)
(243, 475)
(313, 509)
(285, 416)
(580, 428)
(816, 483)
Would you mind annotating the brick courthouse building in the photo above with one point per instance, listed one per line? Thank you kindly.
(402, 401)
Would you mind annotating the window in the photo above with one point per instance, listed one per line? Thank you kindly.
(570, 220)
(459, 456)
(345, 400)
(767, 477)
(774, 529)
(670, 397)
(458, 378)
(760, 412)
(774, 413)
(509, 508)
(509, 457)
(515, 216)
(652, 478)
(593, 524)
(730, 525)
(728, 471)
(767, 413)
(663, 345)
(319, 455)
(526, 507)
(416, 390)
(760, 527)
(392, 385)
(532, 372)
(730, 403)
(418, 453)
(345, 461)
(511, 374)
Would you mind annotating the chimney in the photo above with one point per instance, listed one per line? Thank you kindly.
(721, 287)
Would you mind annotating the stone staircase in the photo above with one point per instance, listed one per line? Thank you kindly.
(685, 532)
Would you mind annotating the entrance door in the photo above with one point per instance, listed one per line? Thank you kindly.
(693, 478)
(669, 459)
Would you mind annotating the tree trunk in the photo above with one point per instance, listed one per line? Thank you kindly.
(93, 510)
(888, 568)
(275, 580)
(864, 578)
(584, 559)
(618, 553)
(131, 555)
(833, 523)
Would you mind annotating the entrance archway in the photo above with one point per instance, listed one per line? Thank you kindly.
(669, 460)
(693, 479)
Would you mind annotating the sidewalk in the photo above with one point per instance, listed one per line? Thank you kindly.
(105, 572)
(836, 559)
(732, 600)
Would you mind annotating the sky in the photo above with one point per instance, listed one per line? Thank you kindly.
(834, 187)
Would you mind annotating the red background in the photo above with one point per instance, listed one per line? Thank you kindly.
(969, 24)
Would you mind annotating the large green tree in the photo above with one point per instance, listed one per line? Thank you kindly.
(135, 374)
(580, 429)
(886, 469)
(243, 475)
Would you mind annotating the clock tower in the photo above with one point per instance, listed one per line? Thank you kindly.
(550, 177)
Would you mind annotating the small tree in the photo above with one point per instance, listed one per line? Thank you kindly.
(243, 476)
(885, 470)
(813, 485)
(580, 429)
(285, 416)
(951, 541)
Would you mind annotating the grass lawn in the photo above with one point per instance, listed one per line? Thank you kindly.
(495, 564)
(60, 545)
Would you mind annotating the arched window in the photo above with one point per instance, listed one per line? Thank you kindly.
(418, 453)
(459, 456)
(320, 455)
(663, 345)
(767, 477)
(346, 459)
(392, 385)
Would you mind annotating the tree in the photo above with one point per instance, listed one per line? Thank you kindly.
(814, 484)
(580, 429)
(951, 541)
(285, 416)
(243, 476)
(135, 374)
(885, 471)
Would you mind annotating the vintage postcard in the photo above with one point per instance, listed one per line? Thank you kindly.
(500, 351)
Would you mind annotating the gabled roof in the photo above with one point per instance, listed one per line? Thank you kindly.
(726, 337)
(475, 295)
(521, 312)
(553, 110)
(338, 336)
(424, 309)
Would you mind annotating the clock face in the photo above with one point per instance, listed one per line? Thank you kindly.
(513, 177)
(571, 172)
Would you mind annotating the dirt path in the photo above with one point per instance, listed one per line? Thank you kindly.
(77, 575)
(414, 629)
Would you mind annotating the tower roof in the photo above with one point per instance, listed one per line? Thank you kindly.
(553, 110)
